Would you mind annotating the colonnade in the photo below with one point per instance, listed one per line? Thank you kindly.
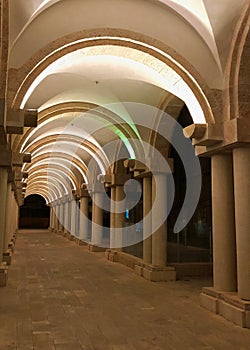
(154, 262)
(8, 223)
(230, 294)
(231, 221)
(65, 218)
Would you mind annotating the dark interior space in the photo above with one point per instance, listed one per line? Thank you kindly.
(194, 242)
(34, 214)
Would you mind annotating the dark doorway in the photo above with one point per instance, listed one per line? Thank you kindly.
(34, 213)
(194, 242)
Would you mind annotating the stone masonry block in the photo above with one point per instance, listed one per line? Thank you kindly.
(157, 275)
(247, 319)
(3, 275)
(7, 257)
(95, 249)
(107, 252)
(113, 256)
(208, 302)
(231, 313)
(139, 270)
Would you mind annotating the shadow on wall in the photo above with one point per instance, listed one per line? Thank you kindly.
(34, 213)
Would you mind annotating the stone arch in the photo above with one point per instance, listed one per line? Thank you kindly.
(240, 44)
(244, 84)
(21, 79)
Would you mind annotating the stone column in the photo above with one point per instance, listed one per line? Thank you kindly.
(53, 214)
(73, 217)
(9, 217)
(16, 215)
(12, 223)
(112, 217)
(66, 216)
(56, 216)
(50, 218)
(159, 225)
(97, 219)
(3, 194)
(119, 217)
(241, 160)
(61, 216)
(84, 213)
(147, 220)
(224, 250)
(77, 217)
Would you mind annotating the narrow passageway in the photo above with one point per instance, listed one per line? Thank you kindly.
(60, 296)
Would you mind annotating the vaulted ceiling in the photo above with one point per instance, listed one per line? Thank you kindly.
(80, 61)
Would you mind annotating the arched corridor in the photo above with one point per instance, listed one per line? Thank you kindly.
(128, 121)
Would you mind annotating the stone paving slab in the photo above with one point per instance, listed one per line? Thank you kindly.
(60, 296)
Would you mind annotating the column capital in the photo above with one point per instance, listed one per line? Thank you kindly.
(76, 194)
(64, 199)
(119, 179)
(84, 193)
(98, 187)
(17, 119)
(212, 138)
(134, 165)
(61, 201)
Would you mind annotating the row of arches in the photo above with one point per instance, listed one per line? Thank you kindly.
(112, 85)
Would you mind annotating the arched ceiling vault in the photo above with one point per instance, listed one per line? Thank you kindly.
(81, 73)
(204, 17)
(72, 167)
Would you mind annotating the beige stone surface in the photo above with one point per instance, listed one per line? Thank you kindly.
(61, 296)
(209, 302)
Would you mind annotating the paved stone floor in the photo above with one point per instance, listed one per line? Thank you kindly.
(60, 296)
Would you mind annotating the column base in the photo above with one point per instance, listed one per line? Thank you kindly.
(107, 253)
(3, 274)
(11, 246)
(82, 242)
(158, 274)
(116, 255)
(73, 238)
(111, 255)
(65, 234)
(95, 249)
(147, 271)
(78, 241)
(7, 257)
(70, 237)
(227, 305)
